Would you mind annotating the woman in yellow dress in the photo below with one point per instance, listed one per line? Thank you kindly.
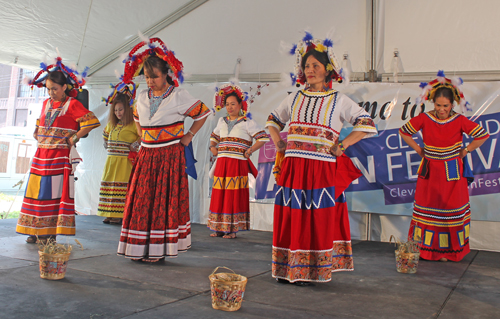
(122, 142)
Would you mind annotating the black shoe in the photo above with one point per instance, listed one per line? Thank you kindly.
(282, 281)
(303, 283)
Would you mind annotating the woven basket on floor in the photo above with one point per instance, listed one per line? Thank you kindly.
(53, 266)
(227, 290)
(407, 262)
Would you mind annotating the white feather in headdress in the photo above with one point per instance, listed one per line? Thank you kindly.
(143, 38)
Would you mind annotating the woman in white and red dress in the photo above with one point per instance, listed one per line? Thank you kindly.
(311, 235)
(156, 222)
(231, 142)
(441, 213)
(48, 207)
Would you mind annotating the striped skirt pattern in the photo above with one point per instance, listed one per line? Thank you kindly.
(48, 207)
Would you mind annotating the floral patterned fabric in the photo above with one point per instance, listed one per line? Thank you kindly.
(156, 219)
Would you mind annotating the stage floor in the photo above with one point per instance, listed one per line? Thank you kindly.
(100, 284)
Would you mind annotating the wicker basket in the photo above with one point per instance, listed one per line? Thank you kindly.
(227, 290)
(53, 266)
(407, 263)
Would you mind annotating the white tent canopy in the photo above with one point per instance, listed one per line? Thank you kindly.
(209, 36)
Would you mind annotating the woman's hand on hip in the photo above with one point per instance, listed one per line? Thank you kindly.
(186, 139)
(280, 146)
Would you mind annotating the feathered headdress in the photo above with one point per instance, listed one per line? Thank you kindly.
(454, 84)
(74, 79)
(307, 44)
(224, 90)
(134, 63)
(128, 89)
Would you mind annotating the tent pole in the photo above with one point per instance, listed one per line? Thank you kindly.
(372, 73)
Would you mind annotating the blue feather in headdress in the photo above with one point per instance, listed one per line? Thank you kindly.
(328, 43)
(467, 104)
(70, 70)
(248, 115)
(293, 77)
(86, 71)
(441, 73)
(423, 85)
(43, 66)
(308, 37)
(292, 50)
(180, 77)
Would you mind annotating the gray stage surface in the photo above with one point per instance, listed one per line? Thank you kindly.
(100, 284)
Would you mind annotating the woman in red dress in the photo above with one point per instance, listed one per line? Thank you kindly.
(49, 206)
(156, 222)
(231, 142)
(311, 234)
(441, 214)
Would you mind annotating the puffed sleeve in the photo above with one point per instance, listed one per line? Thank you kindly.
(191, 107)
(106, 131)
(357, 116)
(413, 126)
(473, 129)
(256, 131)
(215, 136)
(281, 114)
(83, 116)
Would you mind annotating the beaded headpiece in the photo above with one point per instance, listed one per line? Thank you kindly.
(128, 89)
(74, 79)
(223, 91)
(307, 44)
(429, 90)
(134, 63)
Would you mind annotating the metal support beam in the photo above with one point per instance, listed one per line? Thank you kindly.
(111, 56)
(467, 76)
(221, 78)
(409, 77)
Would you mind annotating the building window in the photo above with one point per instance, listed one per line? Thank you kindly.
(5, 72)
(21, 117)
(25, 90)
(3, 118)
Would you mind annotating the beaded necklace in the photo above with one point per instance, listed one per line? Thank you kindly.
(118, 126)
(51, 117)
(155, 101)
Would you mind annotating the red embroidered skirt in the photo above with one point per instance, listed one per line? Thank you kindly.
(311, 235)
(156, 217)
(229, 206)
(441, 213)
(49, 206)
